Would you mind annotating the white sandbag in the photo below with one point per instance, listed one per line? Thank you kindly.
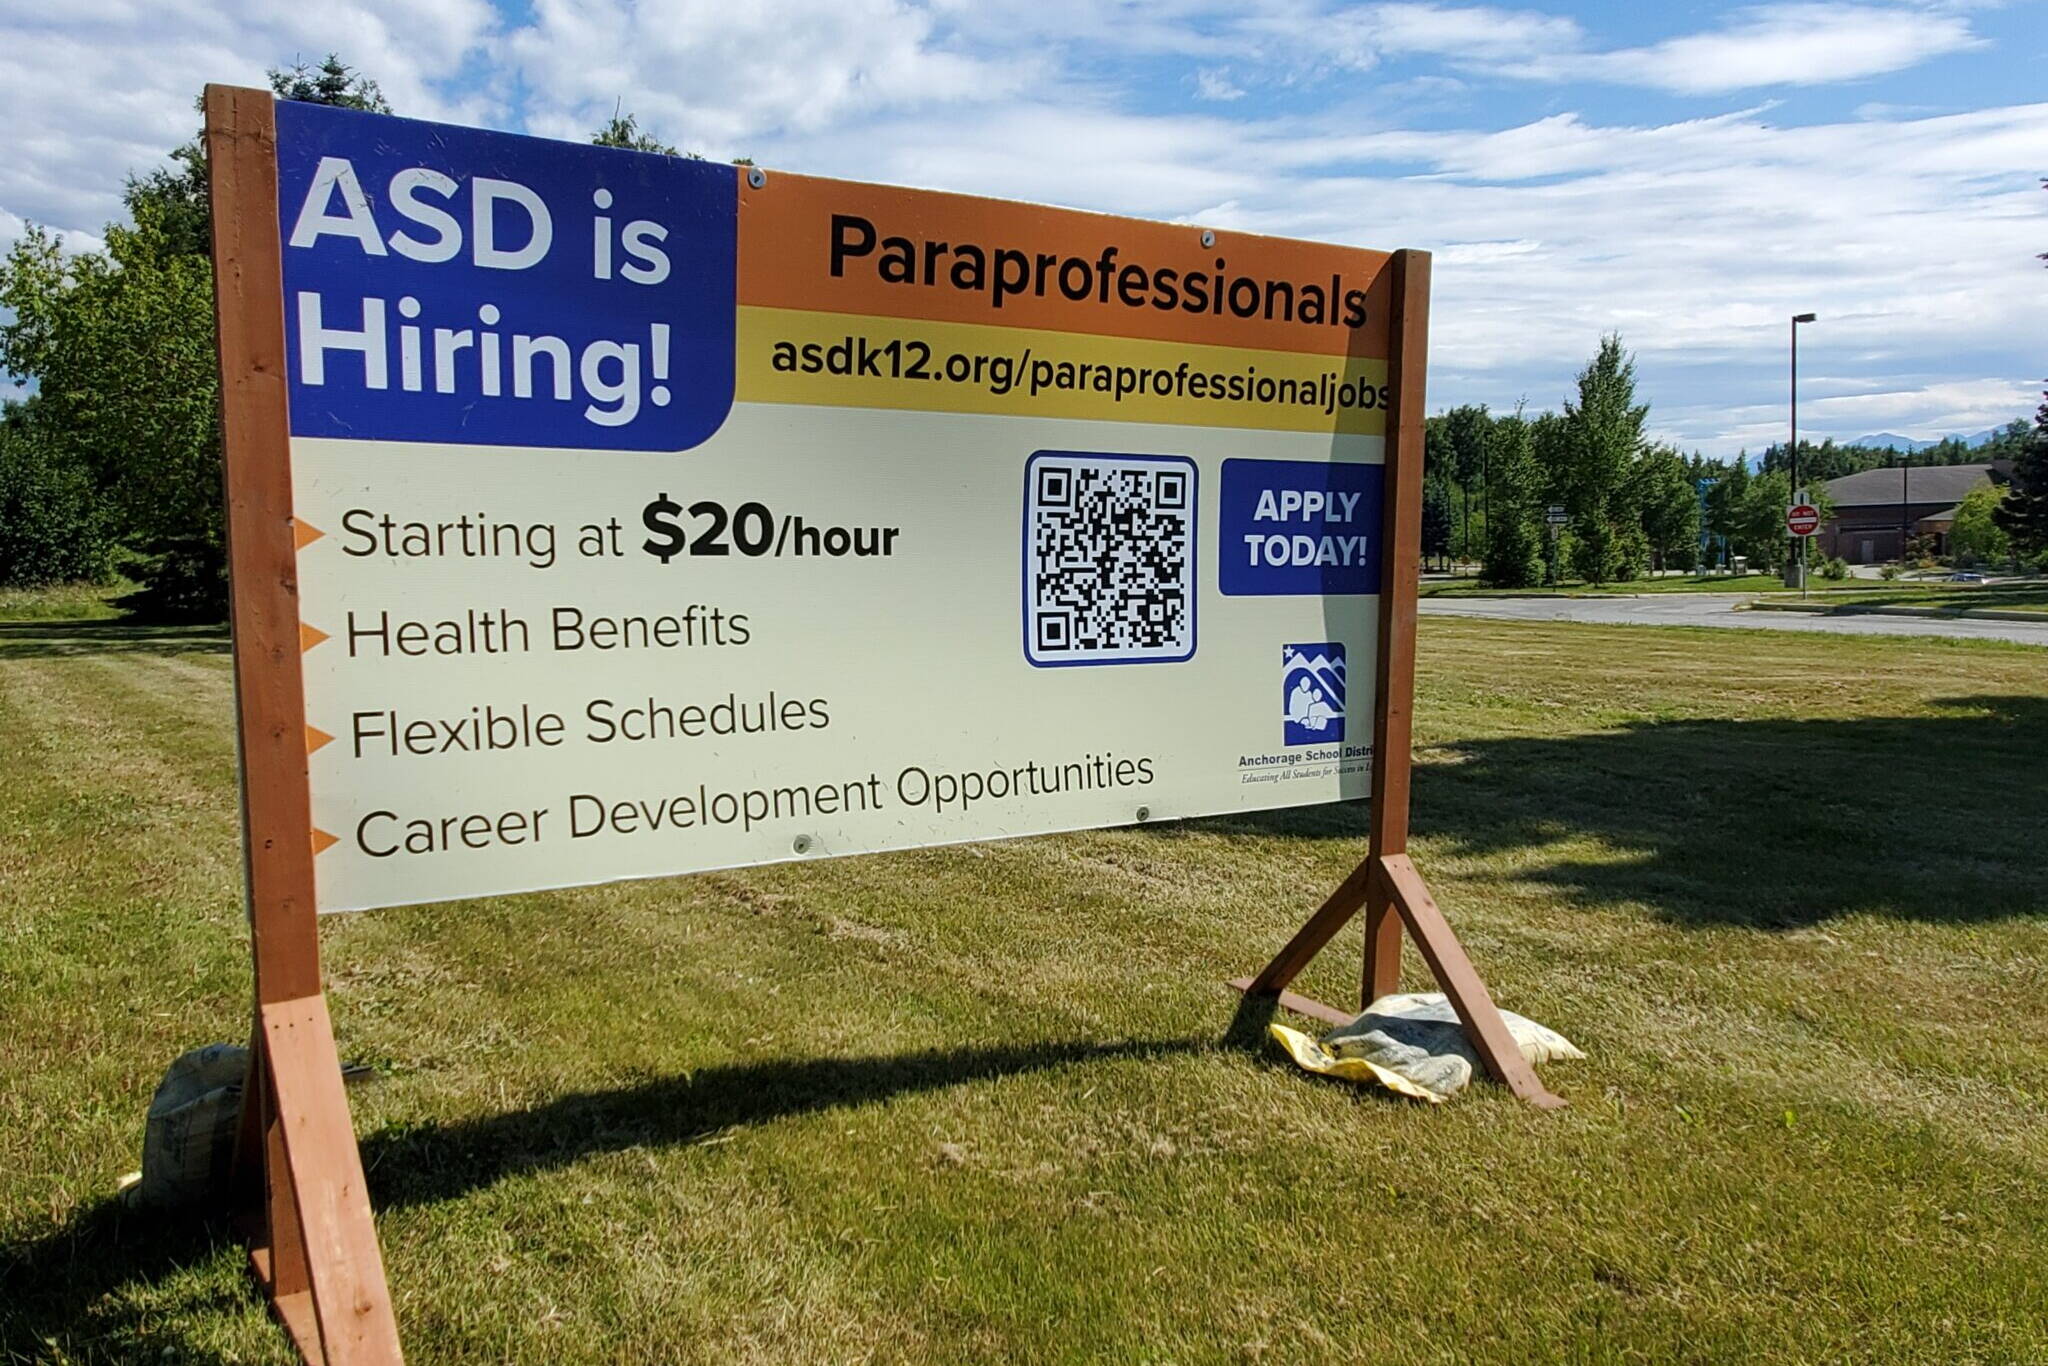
(1414, 1045)
(189, 1141)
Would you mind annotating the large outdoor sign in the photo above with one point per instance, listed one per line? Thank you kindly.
(660, 515)
(597, 515)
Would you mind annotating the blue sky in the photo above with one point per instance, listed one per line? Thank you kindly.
(1686, 174)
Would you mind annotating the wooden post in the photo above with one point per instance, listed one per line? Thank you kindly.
(1386, 884)
(1400, 566)
(316, 1248)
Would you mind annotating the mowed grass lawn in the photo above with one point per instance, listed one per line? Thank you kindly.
(977, 1104)
(2026, 595)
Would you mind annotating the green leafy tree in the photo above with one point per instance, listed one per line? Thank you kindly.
(120, 343)
(1466, 428)
(1976, 535)
(180, 201)
(1514, 534)
(1550, 438)
(1606, 436)
(52, 529)
(1439, 461)
(1759, 527)
(624, 130)
(1669, 505)
(1725, 502)
(2023, 516)
(1436, 519)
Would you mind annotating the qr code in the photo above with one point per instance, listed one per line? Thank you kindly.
(1109, 558)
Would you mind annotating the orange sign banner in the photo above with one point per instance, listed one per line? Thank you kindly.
(834, 246)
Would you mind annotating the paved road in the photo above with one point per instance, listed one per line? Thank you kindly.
(1713, 609)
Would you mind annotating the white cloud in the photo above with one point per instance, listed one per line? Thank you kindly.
(1214, 83)
(1791, 44)
(92, 91)
(711, 76)
(1913, 236)
(1475, 33)
(1797, 44)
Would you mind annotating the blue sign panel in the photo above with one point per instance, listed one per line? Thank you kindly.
(1294, 528)
(450, 285)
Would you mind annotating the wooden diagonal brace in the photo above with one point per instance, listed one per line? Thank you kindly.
(323, 1173)
(1460, 981)
(1393, 895)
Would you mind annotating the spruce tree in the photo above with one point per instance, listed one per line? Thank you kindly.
(1436, 520)
(2023, 516)
(1514, 544)
(1606, 426)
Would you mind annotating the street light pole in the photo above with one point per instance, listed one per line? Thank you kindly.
(1797, 575)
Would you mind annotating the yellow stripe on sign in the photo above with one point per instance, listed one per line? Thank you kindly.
(856, 361)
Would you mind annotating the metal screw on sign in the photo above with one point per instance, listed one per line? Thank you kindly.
(1144, 813)
(1208, 238)
(802, 844)
(757, 178)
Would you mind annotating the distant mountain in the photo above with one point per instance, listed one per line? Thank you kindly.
(1906, 443)
(1891, 440)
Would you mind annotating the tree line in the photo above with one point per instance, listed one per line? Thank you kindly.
(1583, 494)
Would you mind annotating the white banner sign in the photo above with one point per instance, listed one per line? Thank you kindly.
(654, 520)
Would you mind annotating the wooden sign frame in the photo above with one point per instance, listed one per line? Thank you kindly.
(1386, 884)
(305, 1205)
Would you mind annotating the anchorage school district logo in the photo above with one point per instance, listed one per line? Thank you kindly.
(1312, 693)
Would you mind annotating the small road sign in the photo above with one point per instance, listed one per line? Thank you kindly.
(1556, 516)
(1802, 519)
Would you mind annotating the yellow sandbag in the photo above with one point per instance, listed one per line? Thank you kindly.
(1414, 1046)
(1313, 1057)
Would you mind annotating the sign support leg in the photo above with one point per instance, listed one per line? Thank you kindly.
(314, 1247)
(1382, 973)
(1386, 885)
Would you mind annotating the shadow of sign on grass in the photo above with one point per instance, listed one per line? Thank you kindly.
(106, 1284)
(441, 1161)
(1771, 823)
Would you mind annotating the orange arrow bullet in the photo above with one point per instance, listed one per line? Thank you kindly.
(315, 738)
(304, 534)
(309, 636)
(322, 841)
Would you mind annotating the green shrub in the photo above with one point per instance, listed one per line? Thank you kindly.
(51, 525)
(183, 580)
(1890, 571)
(1835, 569)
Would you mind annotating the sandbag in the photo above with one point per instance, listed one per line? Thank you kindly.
(1413, 1045)
(189, 1142)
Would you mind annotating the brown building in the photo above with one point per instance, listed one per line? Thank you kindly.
(1871, 508)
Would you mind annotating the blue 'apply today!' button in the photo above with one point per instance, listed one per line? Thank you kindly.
(1299, 527)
